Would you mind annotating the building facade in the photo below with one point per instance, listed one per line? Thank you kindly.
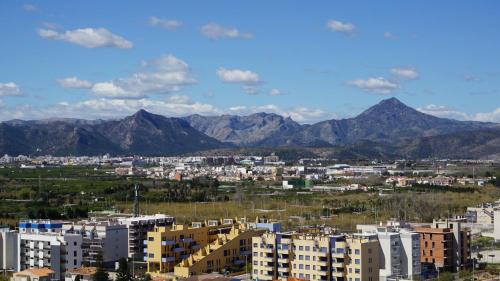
(43, 245)
(315, 256)
(106, 238)
(138, 228)
(445, 245)
(9, 255)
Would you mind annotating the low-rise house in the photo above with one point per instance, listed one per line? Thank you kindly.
(84, 273)
(35, 274)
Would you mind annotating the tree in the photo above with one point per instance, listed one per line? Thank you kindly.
(147, 277)
(78, 278)
(123, 273)
(101, 274)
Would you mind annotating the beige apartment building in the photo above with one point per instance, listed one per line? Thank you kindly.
(316, 256)
(211, 246)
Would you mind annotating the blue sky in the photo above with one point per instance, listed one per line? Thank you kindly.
(106, 59)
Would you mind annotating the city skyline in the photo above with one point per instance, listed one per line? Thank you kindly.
(332, 60)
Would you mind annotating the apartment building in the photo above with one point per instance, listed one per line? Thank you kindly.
(445, 245)
(399, 255)
(52, 250)
(168, 246)
(230, 251)
(138, 228)
(106, 238)
(8, 250)
(481, 215)
(315, 256)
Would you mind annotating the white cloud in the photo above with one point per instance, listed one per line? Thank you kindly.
(178, 99)
(298, 114)
(165, 75)
(106, 109)
(165, 23)
(238, 76)
(215, 31)
(378, 85)
(471, 78)
(74, 83)
(389, 35)
(88, 37)
(338, 26)
(177, 106)
(29, 7)
(409, 73)
(274, 92)
(10, 89)
(251, 90)
(446, 112)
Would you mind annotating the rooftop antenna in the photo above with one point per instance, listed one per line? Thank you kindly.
(136, 200)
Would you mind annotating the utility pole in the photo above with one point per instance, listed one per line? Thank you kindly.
(136, 201)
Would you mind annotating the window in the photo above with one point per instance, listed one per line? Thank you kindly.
(308, 267)
(357, 261)
(301, 266)
(307, 258)
(308, 248)
(255, 245)
(74, 253)
(357, 270)
(74, 262)
(357, 252)
(301, 257)
(74, 243)
(301, 248)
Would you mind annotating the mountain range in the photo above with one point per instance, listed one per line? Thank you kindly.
(389, 129)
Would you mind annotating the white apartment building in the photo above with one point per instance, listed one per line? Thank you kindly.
(9, 250)
(107, 238)
(399, 255)
(42, 244)
(53, 250)
(138, 228)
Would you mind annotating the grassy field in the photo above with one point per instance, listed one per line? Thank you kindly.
(343, 210)
(71, 192)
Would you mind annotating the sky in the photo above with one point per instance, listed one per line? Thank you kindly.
(309, 60)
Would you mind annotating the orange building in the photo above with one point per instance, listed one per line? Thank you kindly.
(445, 245)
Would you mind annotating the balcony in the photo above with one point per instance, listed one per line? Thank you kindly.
(322, 263)
(187, 240)
(178, 249)
(266, 259)
(283, 260)
(283, 269)
(338, 255)
(168, 259)
(338, 274)
(167, 242)
(267, 250)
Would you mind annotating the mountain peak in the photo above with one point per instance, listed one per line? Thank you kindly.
(392, 100)
(391, 105)
(142, 112)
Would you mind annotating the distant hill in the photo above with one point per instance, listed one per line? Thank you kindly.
(387, 130)
(389, 121)
(142, 133)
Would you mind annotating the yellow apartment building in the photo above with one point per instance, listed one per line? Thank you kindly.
(168, 246)
(214, 245)
(318, 257)
(229, 251)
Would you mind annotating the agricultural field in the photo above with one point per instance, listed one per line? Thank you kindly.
(73, 192)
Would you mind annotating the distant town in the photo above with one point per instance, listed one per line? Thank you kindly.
(283, 235)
